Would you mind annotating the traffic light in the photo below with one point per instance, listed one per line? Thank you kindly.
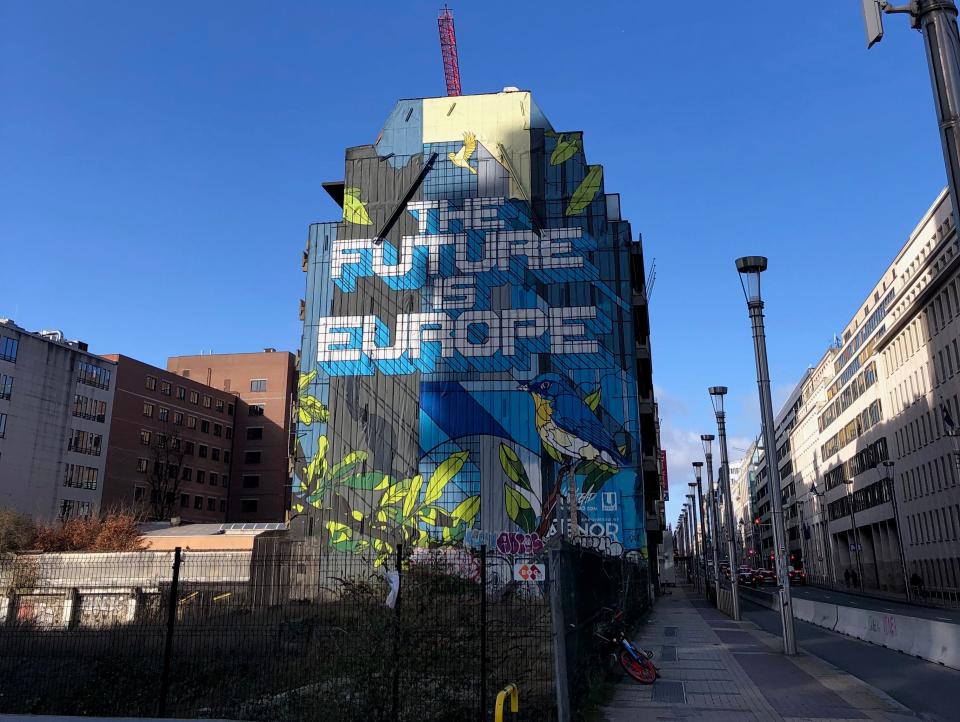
(757, 521)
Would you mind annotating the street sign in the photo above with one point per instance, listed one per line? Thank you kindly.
(856, 547)
(873, 21)
(530, 572)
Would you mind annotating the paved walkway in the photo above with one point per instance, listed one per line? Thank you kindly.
(713, 668)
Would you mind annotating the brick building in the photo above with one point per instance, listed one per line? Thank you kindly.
(164, 424)
(266, 384)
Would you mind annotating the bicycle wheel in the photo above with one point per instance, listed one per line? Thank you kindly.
(641, 670)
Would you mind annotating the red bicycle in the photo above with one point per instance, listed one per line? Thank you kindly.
(635, 662)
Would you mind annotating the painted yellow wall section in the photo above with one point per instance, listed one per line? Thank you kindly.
(501, 122)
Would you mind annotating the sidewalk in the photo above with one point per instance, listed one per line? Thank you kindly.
(713, 668)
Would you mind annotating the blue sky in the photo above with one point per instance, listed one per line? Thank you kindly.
(160, 163)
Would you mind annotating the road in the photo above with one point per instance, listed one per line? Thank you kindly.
(926, 688)
(874, 604)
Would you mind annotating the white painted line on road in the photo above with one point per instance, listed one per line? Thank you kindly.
(945, 619)
(887, 609)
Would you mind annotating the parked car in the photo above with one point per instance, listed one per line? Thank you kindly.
(797, 576)
(764, 577)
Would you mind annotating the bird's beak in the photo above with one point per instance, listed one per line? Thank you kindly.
(524, 386)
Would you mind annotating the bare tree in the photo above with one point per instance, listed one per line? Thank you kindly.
(165, 475)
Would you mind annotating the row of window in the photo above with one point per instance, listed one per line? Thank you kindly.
(85, 442)
(936, 525)
(850, 394)
(189, 447)
(206, 401)
(924, 429)
(943, 308)
(868, 458)
(74, 507)
(869, 496)
(86, 407)
(863, 421)
(928, 478)
(875, 318)
(8, 349)
(80, 477)
(6, 386)
(186, 474)
(163, 414)
(93, 375)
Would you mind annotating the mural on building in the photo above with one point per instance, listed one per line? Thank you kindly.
(468, 353)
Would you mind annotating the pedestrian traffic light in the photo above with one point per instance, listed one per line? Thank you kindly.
(757, 521)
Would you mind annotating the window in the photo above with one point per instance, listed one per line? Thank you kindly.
(248, 506)
(258, 384)
(165, 388)
(188, 448)
(142, 465)
(3, 425)
(224, 481)
(163, 414)
(148, 410)
(184, 500)
(206, 401)
(93, 375)
(8, 349)
(191, 422)
(161, 441)
(251, 457)
(255, 409)
(138, 493)
(229, 409)
(219, 405)
(6, 386)
(217, 430)
(151, 383)
(223, 505)
(71, 507)
(172, 472)
(181, 393)
(226, 457)
(178, 418)
(214, 453)
(229, 433)
(194, 397)
(204, 426)
(80, 477)
(145, 438)
(214, 478)
(202, 451)
(85, 407)
(211, 504)
(251, 481)
(201, 476)
(198, 502)
(254, 433)
(84, 442)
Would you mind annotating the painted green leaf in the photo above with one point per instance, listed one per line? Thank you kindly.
(395, 493)
(553, 453)
(429, 516)
(312, 409)
(593, 400)
(567, 147)
(442, 475)
(596, 477)
(586, 190)
(353, 209)
(305, 380)
(347, 464)
(364, 482)
(350, 546)
(519, 509)
(338, 531)
(317, 468)
(466, 511)
(512, 466)
(453, 534)
(410, 501)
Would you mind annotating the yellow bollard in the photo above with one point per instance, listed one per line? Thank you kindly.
(510, 689)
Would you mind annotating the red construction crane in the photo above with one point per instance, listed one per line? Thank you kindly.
(448, 47)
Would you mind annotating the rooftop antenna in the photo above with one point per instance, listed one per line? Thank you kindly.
(448, 48)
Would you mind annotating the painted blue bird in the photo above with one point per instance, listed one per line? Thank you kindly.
(567, 425)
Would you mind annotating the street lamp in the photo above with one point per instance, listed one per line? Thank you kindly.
(702, 511)
(696, 542)
(713, 521)
(827, 542)
(857, 546)
(717, 394)
(888, 475)
(750, 268)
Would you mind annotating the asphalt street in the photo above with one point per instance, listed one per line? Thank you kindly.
(929, 689)
(873, 603)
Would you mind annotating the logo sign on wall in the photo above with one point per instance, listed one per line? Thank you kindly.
(530, 572)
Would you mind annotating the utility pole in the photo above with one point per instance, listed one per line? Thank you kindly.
(937, 20)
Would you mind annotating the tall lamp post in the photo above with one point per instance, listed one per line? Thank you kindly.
(714, 521)
(717, 394)
(702, 511)
(826, 543)
(750, 268)
(857, 546)
(889, 475)
(696, 542)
